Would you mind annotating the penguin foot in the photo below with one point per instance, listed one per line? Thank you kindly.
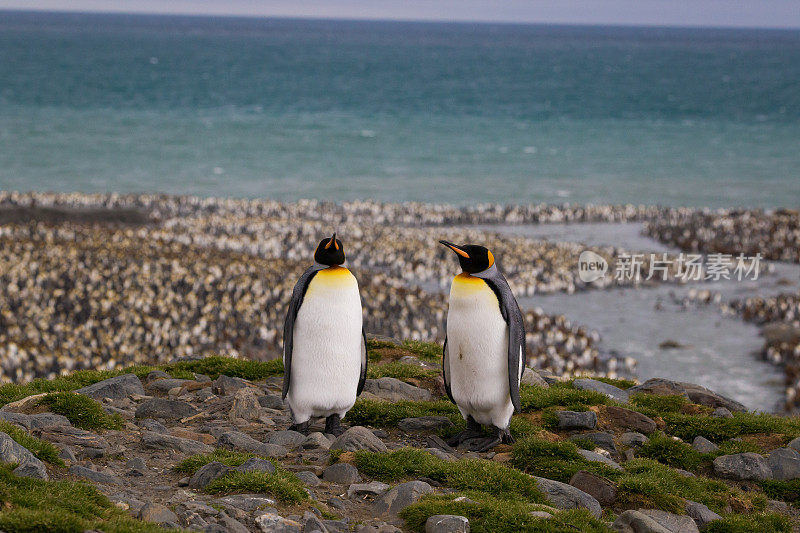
(301, 428)
(502, 436)
(333, 425)
(473, 431)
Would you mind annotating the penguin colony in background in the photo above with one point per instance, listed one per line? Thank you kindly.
(325, 356)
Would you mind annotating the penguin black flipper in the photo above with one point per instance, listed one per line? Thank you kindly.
(446, 370)
(517, 356)
(298, 294)
(364, 362)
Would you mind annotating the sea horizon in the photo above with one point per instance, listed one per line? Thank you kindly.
(399, 111)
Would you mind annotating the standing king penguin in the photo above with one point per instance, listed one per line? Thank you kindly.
(484, 349)
(324, 348)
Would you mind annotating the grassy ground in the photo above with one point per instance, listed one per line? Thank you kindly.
(498, 495)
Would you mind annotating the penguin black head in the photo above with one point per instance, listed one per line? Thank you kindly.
(472, 257)
(329, 252)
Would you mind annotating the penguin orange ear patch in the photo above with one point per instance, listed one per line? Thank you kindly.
(491, 257)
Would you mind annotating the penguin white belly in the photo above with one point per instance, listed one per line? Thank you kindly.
(326, 354)
(477, 346)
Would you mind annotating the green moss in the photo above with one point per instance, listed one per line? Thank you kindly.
(521, 427)
(536, 398)
(649, 484)
(40, 448)
(715, 429)
(555, 460)
(467, 474)
(386, 414)
(787, 491)
(584, 443)
(491, 515)
(82, 411)
(34, 505)
(212, 366)
(282, 485)
(671, 452)
(738, 446)
(737, 523)
(428, 351)
(399, 370)
(216, 366)
(192, 464)
(374, 344)
(617, 382)
(654, 405)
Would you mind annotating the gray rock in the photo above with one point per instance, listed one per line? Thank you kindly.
(424, 423)
(157, 514)
(165, 409)
(342, 473)
(743, 466)
(636, 522)
(208, 473)
(721, 412)
(695, 393)
(29, 464)
(309, 478)
(72, 436)
(532, 378)
(592, 456)
(600, 438)
(245, 404)
(672, 522)
(151, 439)
(156, 374)
(247, 502)
(784, 463)
(313, 524)
(116, 388)
(93, 475)
(576, 419)
(152, 424)
(274, 523)
(271, 401)
(400, 497)
(566, 496)
(358, 438)
(395, 390)
(701, 514)
(447, 523)
(19, 419)
(376, 488)
(441, 454)
(288, 438)
(236, 440)
(601, 489)
(136, 464)
(316, 441)
(627, 418)
(67, 454)
(231, 525)
(633, 439)
(255, 464)
(165, 385)
(46, 420)
(224, 385)
(621, 395)
(703, 445)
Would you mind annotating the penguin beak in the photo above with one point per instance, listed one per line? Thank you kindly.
(455, 248)
(332, 242)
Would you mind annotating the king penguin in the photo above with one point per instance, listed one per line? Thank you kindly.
(484, 348)
(324, 348)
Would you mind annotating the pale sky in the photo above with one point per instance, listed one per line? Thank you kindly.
(733, 13)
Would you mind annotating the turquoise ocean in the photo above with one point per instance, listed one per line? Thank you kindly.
(458, 113)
